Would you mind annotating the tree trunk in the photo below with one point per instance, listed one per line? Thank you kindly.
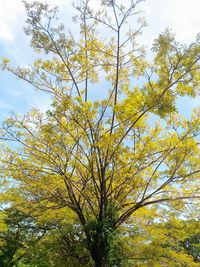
(98, 256)
(1, 263)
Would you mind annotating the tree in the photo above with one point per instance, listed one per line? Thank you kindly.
(17, 234)
(161, 239)
(99, 162)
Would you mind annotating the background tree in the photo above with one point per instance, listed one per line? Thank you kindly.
(99, 161)
(159, 239)
(17, 234)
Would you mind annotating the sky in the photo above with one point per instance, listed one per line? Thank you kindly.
(182, 16)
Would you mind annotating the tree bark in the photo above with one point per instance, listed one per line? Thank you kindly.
(98, 257)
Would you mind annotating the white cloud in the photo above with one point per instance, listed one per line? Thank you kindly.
(11, 16)
(5, 34)
(182, 16)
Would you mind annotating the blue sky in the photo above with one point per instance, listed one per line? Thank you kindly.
(180, 15)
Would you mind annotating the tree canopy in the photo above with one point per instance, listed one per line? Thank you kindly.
(109, 174)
